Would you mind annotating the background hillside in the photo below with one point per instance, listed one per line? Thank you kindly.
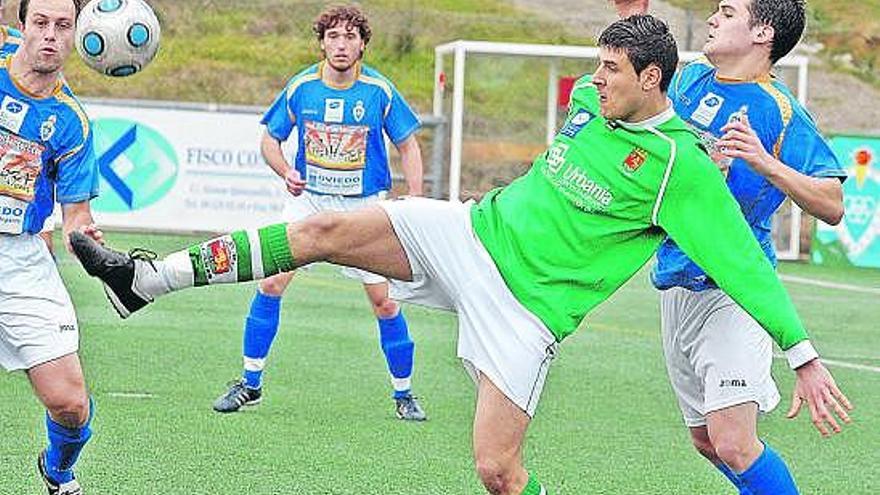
(228, 51)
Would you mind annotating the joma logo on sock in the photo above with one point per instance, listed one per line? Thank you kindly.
(735, 382)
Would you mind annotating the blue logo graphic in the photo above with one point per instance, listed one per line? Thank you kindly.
(14, 107)
(138, 166)
(711, 102)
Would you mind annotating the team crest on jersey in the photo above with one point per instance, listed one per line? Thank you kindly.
(334, 110)
(635, 160)
(358, 111)
(12, 113)
(576, 123)
(47, 128)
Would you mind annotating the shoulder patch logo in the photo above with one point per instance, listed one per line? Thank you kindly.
(576, 123)
(635, 160)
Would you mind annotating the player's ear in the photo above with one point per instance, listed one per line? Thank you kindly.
(763, 33)
(650, 77)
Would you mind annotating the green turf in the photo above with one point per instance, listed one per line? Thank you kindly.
(608, 423)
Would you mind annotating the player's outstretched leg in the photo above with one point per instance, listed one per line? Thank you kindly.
(363, 238)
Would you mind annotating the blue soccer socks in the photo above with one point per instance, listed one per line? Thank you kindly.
(398, 349)
(734, 478)
(768, 475)
(260, 328)
(65, 444)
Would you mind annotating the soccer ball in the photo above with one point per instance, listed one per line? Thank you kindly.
(117, 37)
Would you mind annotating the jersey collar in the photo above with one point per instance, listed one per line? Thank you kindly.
(655, 121)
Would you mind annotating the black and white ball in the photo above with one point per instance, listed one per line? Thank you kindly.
(117, 37)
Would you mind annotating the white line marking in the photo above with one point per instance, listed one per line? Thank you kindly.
(842, 364)
(131, 395)
(830, 285)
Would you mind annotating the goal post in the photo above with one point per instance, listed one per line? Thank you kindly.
(547, 67)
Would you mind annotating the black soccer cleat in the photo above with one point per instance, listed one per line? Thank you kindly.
(407, 408)
(70, 488)
(118, 271)
(237, 396)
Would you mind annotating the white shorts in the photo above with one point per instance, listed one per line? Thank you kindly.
(307, 204)
(717, 355)
(451, 270)
(37, 320)
(53, 219)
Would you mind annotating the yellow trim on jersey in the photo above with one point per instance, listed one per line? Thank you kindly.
(383, 85)
(83, 120)
(6, 63)
(785, 111)
(296, 83)
(6, 38)
(357, 75)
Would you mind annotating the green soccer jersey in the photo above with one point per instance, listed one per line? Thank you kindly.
(596, 205)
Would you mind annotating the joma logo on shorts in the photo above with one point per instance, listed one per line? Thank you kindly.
(736, 382)
(66, 328)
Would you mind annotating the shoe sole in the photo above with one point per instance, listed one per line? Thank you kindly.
(116, 302)
(249, 403)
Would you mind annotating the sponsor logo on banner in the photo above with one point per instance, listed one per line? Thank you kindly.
(137, 164)
(856, 239)
(707, 110)
(334, 110)
(635, 160)
(12, 113)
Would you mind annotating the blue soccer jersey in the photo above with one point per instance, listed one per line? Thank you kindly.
(341, 131)
(45, 153)
(786, 130)
(11, 39)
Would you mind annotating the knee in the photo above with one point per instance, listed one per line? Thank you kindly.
(385, 308)
(705, 448)
(71, 411)
(274, 286)
(495, 476)
(737, 451)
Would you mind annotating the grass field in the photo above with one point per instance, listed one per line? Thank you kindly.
(607, 424)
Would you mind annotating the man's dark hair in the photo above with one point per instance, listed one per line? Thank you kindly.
(347, 15)
(646, 41)
(787, 18)
(23, 8)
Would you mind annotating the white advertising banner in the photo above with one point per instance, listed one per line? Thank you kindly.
(182, 170)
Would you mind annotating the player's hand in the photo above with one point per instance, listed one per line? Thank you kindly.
(94, 232)
(741, 141)
(816, 387)
(626, 8)
(295, 184)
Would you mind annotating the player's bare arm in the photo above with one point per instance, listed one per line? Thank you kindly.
(77, 217)
(274, 156)
(820, 197)
(411, 162)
